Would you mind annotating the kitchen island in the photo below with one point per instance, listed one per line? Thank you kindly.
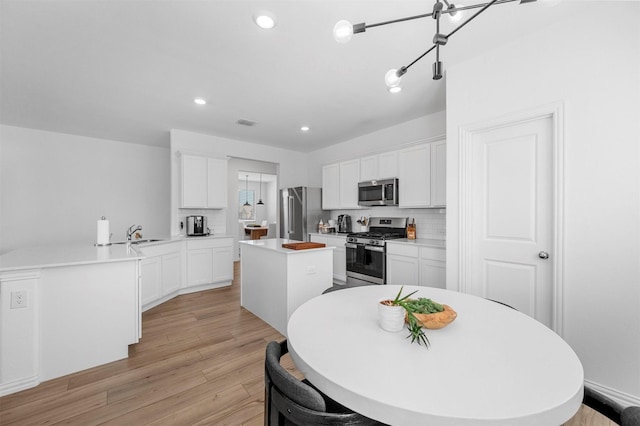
(276, 281)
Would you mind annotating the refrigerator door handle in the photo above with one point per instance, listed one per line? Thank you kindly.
(290, 224)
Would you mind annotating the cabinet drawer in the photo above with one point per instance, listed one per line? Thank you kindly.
(433, 253)
(209, 243)
(161, 249)
(403, 250)
(336, 241)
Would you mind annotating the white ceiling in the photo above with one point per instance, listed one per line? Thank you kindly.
(129, 70)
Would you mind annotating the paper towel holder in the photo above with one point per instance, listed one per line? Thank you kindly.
(105, 244)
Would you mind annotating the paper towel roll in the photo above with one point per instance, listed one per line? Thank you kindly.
(103, 232)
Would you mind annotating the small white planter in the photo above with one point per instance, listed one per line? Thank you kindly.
(391, 317)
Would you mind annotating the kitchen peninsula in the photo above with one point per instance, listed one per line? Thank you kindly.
(276, 280)
(65, 308)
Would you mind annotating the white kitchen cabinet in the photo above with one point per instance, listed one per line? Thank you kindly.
(171, 272)
(204, 182)
(160, 273)
(369, 168)
(388, 165)
(150, 280)
(216, 183)
(414, 264)
(422, 175)
(380, 166)
(349, 178)
(340, 185)
(403, 264)
(433, 269)
(331, 187)
(209, 261)
(339, 254)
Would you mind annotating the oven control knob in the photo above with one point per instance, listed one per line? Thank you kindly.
(372, 242)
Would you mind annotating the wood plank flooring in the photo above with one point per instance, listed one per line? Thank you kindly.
(200, 362)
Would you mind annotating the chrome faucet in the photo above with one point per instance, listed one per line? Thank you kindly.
(131, 231)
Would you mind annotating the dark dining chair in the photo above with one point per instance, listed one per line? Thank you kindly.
(616, 412)
(289, 401)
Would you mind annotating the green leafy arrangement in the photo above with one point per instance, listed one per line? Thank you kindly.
(415, 329)
(424, 306)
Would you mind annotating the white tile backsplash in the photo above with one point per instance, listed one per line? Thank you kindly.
(430, 223)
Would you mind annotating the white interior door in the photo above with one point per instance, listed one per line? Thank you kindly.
(511, 226)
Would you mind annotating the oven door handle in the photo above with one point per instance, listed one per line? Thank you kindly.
(351, 246)
(374, 248)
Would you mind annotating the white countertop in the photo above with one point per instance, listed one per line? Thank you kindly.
(51, 256)
(420, 242)
(275, 244)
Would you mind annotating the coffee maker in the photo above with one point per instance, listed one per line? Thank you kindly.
(344, 223)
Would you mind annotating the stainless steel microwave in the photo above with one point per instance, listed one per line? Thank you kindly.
(383, 192)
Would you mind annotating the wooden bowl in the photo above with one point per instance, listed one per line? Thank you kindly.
(436, 320)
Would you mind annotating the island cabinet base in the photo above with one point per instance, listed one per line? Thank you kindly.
(276, 282)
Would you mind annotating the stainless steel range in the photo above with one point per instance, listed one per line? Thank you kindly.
(367, 251)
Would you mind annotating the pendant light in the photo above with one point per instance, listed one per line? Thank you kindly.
(260, 203)
(246, 191)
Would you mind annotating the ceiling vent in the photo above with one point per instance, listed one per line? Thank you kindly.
(247, 123)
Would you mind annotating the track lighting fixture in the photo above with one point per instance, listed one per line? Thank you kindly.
(344, 30)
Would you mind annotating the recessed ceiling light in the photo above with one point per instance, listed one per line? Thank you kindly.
(304, 128)
(395, 89)
(264, 20)
(200, 101)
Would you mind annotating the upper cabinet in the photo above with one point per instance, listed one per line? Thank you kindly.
(420, 169)
(421, 175)
(340, 185)
(381, 166)
(204, 182)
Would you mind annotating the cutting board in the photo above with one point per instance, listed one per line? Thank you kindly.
(303, 246)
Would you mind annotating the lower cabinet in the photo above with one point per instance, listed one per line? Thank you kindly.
(339, 254)
(209, 261)
(416, 265)
(160, 273)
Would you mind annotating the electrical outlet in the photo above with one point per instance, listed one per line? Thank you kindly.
(311, 270)
(18, 299)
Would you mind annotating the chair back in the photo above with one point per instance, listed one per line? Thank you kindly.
(289, 401)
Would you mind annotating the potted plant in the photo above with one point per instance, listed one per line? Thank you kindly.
(417, 313)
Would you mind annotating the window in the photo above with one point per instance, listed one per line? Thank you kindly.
(247, 212)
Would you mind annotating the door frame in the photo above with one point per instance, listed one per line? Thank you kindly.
(555, 112)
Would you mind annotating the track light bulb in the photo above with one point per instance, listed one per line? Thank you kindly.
(455, 15)
(342, 31)
(391, 78)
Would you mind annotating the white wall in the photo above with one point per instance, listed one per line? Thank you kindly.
(592, 65)
(54, 187)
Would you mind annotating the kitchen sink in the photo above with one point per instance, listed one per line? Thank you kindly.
(138, 241)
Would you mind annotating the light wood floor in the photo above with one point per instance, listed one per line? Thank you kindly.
(200, 362)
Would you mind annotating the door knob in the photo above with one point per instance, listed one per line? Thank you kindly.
(543, 255)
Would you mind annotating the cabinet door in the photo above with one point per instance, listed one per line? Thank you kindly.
(171, 272)
(194, 181)
(199, 266)
(403, 270)
(317, 239)
(438, 174)
(388, 165)
(339, 258)
(349, 178)
(433, 273)
(216, 183)
(223, 263)
(151, 279)
(331, 187)
(369, 168)
(414, 176)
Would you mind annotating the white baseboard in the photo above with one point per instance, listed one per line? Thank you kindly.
(623, 398)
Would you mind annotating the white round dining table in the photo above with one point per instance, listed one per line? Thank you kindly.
(493, 365)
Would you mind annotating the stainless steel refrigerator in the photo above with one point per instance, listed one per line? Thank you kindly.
(300, 212)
